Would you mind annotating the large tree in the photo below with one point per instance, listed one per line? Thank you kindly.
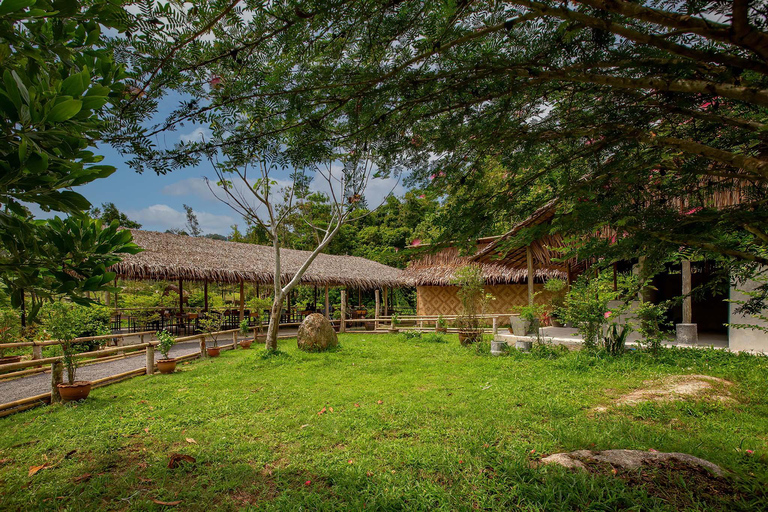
(645, 118)
(57, 78)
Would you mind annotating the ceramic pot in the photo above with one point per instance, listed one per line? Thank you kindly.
(213, 351)
(166, 365)
(79, 390)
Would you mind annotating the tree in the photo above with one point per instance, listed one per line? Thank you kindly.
(57, 78)
(109, 212)
(256, 195)
(637, 117)
(193, 226)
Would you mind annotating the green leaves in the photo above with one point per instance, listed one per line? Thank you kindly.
(11, 6)
(64, 110)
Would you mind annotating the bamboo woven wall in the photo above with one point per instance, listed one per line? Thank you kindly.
(442, 300)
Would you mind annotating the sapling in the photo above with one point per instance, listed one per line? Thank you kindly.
(167, 340)
(211, 325)
(64, 324)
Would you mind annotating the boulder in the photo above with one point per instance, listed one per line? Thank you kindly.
(316, 334)
(626, 459)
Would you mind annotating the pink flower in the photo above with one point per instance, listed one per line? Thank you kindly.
(607, 314)
(749, 452)
(308, 482)
(652, 450)
(416, 242)
(693, 210)
(422, 196)
(215, 81)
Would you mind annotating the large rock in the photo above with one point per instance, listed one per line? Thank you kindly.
(316, 334)
(626, 459)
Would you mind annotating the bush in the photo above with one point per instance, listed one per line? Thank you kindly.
(167, 340)
(92, 320)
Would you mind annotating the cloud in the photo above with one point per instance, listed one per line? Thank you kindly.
(189, 187)
(160, 217)
(196, 135)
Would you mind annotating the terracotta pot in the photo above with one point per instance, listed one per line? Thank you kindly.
(246, 343)
(166, 365)
(441, 330)
(261, 338)
(470, 336)
(369, 326)
(213, 351)
(77, 391)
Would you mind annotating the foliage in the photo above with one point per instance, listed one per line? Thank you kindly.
(211, 324)
(64, 322)
(244, 327)
(109, 213)
(57, 79)
(652, 324)
(586, 304)
(557, 289)
(472, 295)
(615, 339)
(531, 312)
(441, 322)
(88, 320)
(395, 319)
(753, 305)
(167, 341)
(192, 225)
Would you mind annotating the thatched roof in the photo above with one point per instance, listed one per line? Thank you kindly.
(498, 267)
(170, 257)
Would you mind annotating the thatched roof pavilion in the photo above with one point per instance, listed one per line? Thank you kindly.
(499, 265)
(169, 257)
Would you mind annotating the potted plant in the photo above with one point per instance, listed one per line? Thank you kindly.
(167, 340)
(441, 325)
(211, 325)
(473, 299)
(64, 323)
(395, 322)
(557, 289)
(370, 325)
(247, 342)
(526, 321)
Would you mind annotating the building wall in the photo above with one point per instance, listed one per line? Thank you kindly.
(442, 300)
(745, 339)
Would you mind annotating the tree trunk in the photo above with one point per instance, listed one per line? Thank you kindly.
(274, 323)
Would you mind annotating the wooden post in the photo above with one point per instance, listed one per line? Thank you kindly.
(203, 352)
(181, 297)
(37, 352)
(150, 360)
(242, 300)
(327, 305)
(687, 300)
(205, 295)
(57, 370)
(376, 311)
(234, 340)
(386, 301)
(495, 325)
(529, 257)
(343, 326)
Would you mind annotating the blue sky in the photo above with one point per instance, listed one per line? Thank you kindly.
(156, 201)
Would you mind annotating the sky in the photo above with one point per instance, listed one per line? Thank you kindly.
(156, 201)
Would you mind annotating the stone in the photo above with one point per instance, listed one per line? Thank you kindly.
(687, 334)
(316, 334)
(626, 459)
(523, 346)
(497, 348)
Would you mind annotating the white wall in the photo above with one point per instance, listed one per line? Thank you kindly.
(745, 339)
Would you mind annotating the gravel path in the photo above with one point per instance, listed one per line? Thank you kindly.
(32, 385)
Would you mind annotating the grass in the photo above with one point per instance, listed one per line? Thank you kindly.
(382, 423)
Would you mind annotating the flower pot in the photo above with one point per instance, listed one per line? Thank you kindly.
(78, 390)
(246, 343)
(213, 351)
(393, 330)
(520, 325)
(260, 338)
(166, 365)
(467, 337)
(369, 326)
(441, 330)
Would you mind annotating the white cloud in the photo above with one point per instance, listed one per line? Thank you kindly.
(160, 217)
(190, 187)
(196, 135)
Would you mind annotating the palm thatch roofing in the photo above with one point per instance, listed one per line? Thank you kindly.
(169, 257)
(498, 266)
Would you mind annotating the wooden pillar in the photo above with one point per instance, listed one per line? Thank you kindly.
(181, 296)
(150, 360)
(57, 370)
(687, 300)
(37, 351)
(242, 300)
(234, 340)
(23, 311)
(327, 305)
(495, 325)
(386, 301)
(529, 258)
(205, 295)
(343, 326)
(376, 311)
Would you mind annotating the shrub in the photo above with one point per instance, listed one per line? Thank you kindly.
(210, 324)
(653, 324)
(167, 340)
(65, 322)
(411, 335)
(472, 295)
(616, 339)
(244, 326)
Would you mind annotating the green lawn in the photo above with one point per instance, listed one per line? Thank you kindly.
(410, 425)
